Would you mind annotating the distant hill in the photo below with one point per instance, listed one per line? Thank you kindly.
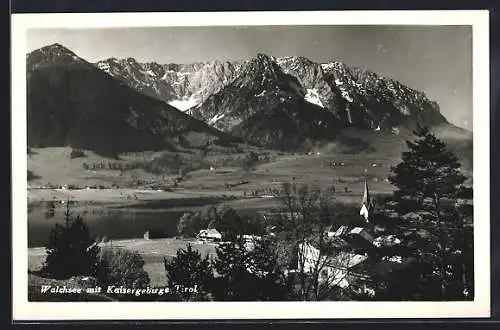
(72, 102)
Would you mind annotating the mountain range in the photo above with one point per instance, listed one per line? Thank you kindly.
(273, 102)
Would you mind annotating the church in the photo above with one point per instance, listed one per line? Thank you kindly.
(366, 204)
(358, 246)
(364, 228)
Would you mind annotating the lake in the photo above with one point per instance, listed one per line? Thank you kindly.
(122, 221)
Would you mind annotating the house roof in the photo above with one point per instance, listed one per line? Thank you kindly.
(211, 231)
(342, 230)
(347, 260)
(357, 230)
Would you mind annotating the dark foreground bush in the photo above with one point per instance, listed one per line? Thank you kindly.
(71, 251)
(121, 267)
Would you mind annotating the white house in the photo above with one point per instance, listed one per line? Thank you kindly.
(209, 235)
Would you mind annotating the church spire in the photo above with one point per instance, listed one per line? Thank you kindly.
(366, 203)
(366, 195)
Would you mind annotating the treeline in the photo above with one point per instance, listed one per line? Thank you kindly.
(246, 160)
(164, 164)
(175, 164)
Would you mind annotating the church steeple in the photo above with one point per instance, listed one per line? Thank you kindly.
(366, 195)
(366, 203)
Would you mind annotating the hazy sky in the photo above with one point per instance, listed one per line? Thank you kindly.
(434, 59)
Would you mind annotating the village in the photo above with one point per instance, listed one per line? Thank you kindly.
(362, 250)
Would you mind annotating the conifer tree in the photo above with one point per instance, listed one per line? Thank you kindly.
(71, 250)
(247, 273)
(428, 183)
(271, 283)
(187, 270)
(233, 282)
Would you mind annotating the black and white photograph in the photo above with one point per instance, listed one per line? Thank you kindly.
(289, 162)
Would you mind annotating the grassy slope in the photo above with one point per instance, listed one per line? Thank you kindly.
(55, 166)
(152, 251)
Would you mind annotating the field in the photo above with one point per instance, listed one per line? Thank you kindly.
(152, 251)
(55, 169)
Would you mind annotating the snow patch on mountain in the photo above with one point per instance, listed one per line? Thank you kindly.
(216, 118)
(184, 104)
(312, 96)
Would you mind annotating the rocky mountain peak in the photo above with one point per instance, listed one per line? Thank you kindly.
(52, 54)
(334, 66)
(56, 49)
(262, 73)
(293, 60)
(263, 64)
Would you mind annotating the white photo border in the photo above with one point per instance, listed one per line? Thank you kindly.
(480, 307)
